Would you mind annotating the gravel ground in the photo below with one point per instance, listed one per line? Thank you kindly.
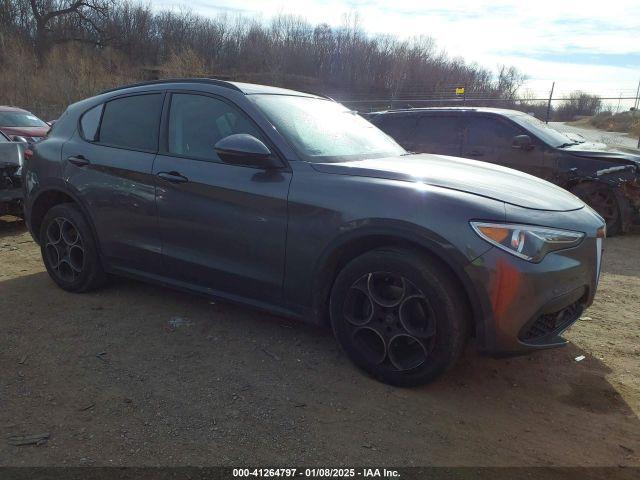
(138, 375)
(612, 139)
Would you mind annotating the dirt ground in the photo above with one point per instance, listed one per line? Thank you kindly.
(137, 375)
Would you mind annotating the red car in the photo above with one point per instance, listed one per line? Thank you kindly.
(15, 121)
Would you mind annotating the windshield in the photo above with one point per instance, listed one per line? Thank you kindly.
(325, 131)
(543, 131)
(20, 119)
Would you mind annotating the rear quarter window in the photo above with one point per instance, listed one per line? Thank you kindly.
(89, 123)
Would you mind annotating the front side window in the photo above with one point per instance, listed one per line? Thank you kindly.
(20, 119)
(198, 122)
(132, 122)
(490, 132)
(3, 139)
(325, 131)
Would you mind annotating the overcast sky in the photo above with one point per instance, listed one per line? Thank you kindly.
(588, 45)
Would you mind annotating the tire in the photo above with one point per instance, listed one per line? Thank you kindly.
(69, 249)
(602, 199)
(399, 315)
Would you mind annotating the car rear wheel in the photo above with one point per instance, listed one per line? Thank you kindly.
(602, 199)
(399, 316)
(69, 250)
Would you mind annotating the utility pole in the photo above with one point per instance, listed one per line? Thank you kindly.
(549, 104)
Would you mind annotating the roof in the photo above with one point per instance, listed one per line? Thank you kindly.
(7, 108)
(246, 88)
(497, 111)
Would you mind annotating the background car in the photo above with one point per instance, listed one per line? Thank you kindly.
(11, 160)
(607, 180)
(15, 121)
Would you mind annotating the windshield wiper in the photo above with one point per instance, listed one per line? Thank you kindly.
(567, 144)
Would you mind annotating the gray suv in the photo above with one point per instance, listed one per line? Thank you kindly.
(292, 203)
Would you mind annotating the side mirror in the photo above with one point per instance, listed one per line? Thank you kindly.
(522, 142)
(11, 153)
(19, 139)
(245, 150)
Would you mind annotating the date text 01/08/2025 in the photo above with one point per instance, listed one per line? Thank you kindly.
(316, 472)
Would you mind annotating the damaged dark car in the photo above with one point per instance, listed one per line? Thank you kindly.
(11, 159)
(607, 180)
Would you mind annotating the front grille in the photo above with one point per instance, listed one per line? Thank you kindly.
(551, 323)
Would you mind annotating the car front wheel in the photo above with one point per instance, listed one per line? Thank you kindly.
(399, 315)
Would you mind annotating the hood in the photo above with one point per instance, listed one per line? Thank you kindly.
(479, 178)
(25, 131)
(602, 152)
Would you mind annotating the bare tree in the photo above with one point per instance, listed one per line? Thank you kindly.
(58, 21)
(578, 104)
(83, 45)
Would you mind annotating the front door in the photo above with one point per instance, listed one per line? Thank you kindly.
(490, 139)
(223, 227)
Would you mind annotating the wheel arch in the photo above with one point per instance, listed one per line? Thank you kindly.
(49, 197)
(355, 243)
(623, 204)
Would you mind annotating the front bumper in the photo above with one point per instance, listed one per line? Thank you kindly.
(526, 306)
(11, 194)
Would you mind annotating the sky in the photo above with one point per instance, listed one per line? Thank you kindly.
(588, 45)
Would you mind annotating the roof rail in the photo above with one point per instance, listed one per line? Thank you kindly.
(211, 81)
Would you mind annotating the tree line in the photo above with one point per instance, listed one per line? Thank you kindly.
(53, 52)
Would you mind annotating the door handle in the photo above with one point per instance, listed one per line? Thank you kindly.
(173, 177)
(79, 160)
(476, 153)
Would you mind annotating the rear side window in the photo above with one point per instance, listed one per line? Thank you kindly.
(491, 132)
(439, 129)
(399, 127)
(90, 122)
(132, 122)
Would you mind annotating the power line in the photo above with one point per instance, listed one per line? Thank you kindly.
(468, 99)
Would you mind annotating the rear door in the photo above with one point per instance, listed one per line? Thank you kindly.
(223, 227)
(489, 138)
(109, 163)
(439, 133)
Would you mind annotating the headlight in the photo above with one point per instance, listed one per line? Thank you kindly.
(528, 242)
